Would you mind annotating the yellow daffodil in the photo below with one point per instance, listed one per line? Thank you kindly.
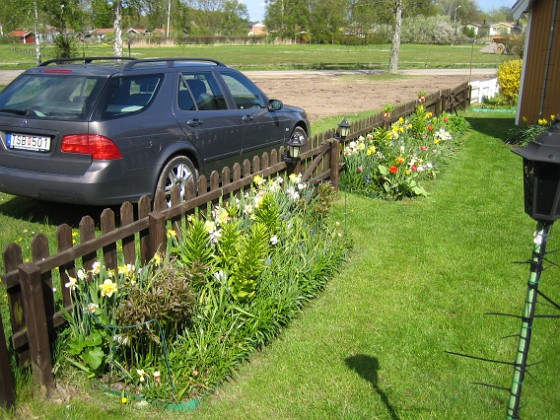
(209, 226)
(171, 233)
(127, 270)
(371, 150)
(258, 180)
(108, 288)
(157, 259)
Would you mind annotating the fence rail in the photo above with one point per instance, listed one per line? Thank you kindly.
(34, 317)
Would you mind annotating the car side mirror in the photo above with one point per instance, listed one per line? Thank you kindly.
(275, 105)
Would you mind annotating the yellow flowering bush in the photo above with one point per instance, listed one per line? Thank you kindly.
(509, 79)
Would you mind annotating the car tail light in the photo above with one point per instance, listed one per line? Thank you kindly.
(99, 147)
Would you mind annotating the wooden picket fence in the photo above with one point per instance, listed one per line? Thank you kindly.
(33, 314)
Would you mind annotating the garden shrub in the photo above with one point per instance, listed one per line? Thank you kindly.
(509, 79)
(227, 285)
(392, 163)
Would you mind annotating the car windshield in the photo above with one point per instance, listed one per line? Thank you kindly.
(58, 96)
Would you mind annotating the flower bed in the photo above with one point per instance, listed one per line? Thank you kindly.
(228, 284)
(393, 163)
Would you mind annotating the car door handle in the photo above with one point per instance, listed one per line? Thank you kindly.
(247, 118)
(195, 122)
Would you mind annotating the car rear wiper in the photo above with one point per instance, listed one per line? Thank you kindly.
(15, 111)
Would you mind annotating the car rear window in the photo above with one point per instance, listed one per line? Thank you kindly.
(131, 94)
(60, 97)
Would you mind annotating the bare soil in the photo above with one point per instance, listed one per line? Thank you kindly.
(327, 93)
(324, 93)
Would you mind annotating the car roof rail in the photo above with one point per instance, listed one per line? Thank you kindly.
(85, 60)
(171, 61)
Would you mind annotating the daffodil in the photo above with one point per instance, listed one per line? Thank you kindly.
(258, 180)
(157, 259)
(108, 288)
(72, 283)
(96, 268)
(171, 233)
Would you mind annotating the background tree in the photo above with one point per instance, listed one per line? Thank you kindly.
(14, 14)
(235, 18)
(289, 18)
(329, 19)
(101, 14)
(66, 16)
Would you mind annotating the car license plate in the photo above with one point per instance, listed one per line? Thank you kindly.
(27, 142)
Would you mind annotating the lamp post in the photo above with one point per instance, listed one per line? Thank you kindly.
(541, 184)
(455, 15)
(343, 129)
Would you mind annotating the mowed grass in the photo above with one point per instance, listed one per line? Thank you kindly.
(420, 278)
(272, 56)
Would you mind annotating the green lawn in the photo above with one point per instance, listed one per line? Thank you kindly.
(421, 276)
(420, 279)
(285, 56)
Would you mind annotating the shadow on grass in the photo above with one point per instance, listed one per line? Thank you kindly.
(490, 126)
(55, 214)
(367, 367)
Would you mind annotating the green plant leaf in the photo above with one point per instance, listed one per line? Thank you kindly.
(93, 358)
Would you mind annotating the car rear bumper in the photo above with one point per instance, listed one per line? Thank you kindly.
(101, 186)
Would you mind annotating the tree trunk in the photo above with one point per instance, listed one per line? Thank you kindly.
(37, 42)
(117, 26)
(396, 43)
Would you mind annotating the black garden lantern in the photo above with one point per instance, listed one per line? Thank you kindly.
(295, 144)
(541, 175)
(344, 129)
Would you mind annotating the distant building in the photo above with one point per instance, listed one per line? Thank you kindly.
(23, 37)
(258, 29)
(500, 28)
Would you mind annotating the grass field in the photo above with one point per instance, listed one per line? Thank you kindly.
(285, 56)
(420, 279)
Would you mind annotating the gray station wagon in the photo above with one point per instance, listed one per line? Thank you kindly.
(102, 131)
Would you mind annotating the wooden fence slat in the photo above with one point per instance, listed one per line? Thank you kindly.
(128, 243)
(236, 172)
(37, 326)
(144, 208)
(176, 219)
(13, 257)
(65, 241)
(87, 232)
(7, 383)
(40, 251)
(108, 224)
(214, 181)
(158, 234)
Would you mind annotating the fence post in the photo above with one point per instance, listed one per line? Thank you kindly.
(7, 384)
(335, 162)
(158, 238)
(37, 330)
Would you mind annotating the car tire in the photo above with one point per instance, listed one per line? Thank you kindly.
(177, 171)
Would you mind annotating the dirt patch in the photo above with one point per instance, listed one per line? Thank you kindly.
(324, 93)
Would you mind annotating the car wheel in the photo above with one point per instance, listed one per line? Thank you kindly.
(178, 171)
